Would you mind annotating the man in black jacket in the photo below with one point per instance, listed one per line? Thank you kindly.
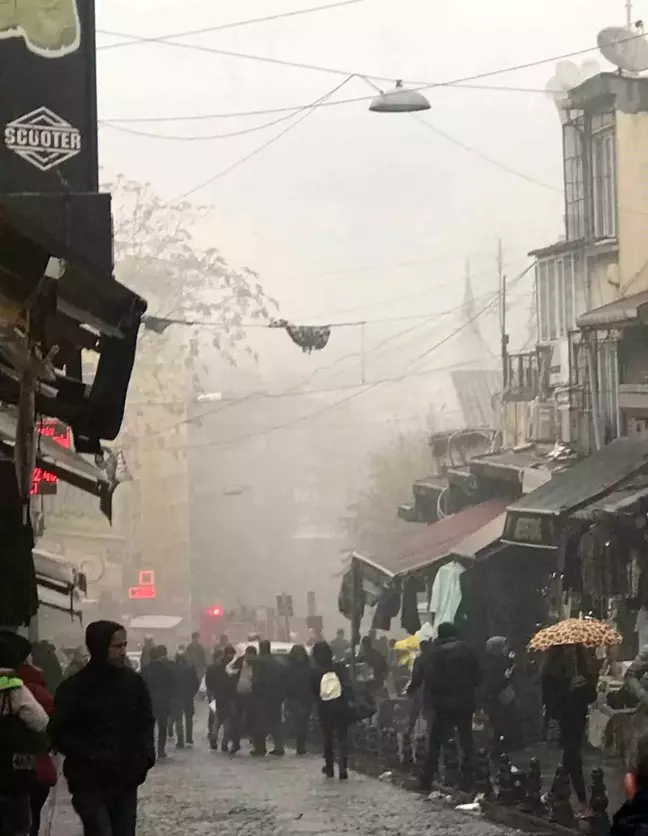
(186, 688)
(450, 675)
(268, 692)
(160, 678)
(103, 723)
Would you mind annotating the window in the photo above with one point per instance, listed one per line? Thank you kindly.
(603, 191)
(560, 294)
(574, 180)
(607, 374)
(589, 159)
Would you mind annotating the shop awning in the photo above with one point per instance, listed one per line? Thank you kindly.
(414, 547)
(69, 466)
(533, 520)
(57, 582)
(482, 541)
(616, 314)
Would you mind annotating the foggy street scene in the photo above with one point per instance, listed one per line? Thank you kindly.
(323, 418)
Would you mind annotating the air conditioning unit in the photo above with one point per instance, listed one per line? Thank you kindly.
(542, 421)
(559, 371)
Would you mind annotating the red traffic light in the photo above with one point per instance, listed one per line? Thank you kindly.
(215, 612)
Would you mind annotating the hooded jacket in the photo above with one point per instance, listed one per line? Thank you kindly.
(103, 721)
(451, 674)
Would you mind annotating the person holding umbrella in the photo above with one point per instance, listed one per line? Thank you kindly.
(569, 679)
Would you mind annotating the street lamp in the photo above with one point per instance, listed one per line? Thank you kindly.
(399, 100)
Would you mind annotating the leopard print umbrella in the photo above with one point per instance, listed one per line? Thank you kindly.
(586, 631)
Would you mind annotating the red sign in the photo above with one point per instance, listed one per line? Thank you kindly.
(146, 577)
(141, 593)
(44, 482)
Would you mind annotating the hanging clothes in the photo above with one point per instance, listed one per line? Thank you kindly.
(410, 619)
(446, 593)
(387, 607)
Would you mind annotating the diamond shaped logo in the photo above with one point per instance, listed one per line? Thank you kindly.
(43, 139)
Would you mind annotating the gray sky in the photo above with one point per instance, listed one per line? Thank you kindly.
(349, 208)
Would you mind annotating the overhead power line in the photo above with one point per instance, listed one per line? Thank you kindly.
(138, 40)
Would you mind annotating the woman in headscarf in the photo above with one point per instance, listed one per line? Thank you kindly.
(103, 723)
(332, 690)
(569, 680)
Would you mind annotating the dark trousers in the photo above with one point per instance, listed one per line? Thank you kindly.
(15, 815)
(300, 712)
(335, 729)
(183, 720)
(243, 719)
(106, 814)
(37, 799)
(162, 722)
(271, 724)
(572, 738)
(444, 724)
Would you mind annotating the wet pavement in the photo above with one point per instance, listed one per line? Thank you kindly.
(199, 792)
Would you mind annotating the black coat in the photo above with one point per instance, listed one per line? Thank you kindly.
(450, 675)
(632, 818)
(103, 723)
(269, 679)
(160, 677)
(220, 685)
(300, 687)
(186, 682)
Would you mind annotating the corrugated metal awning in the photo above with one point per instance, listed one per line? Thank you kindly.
(415, 546)
(477, 543)
(615, 314)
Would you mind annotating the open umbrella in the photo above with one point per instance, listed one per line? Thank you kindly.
(590, 632)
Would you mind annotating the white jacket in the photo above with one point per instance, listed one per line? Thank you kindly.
(23, 703)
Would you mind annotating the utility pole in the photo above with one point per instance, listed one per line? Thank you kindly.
(628, 6)
(502, 293)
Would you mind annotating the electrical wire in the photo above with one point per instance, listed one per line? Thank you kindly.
(421, 85)
(137, 40)
(199, 186)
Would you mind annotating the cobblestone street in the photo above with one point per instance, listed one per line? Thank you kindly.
(200, 793)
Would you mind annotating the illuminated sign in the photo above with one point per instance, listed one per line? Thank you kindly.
(44, 482)
(141, 593)
(146, 577)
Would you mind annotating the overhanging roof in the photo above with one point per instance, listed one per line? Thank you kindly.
(617, 314)
(589, 480)
(415, 546)
(475, 544)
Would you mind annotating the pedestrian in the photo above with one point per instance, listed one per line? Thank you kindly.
(160, 679)
(22, 725)
(450, 676)
(196, 655)
(299, 694)
(103, 724)
(243, 716)
(498, 696)
(147, 652)
(414, 690)
(332, 691)
(269, 692)
(79, 660)
(632, 817)
(221, 688)
(376, 662)
(340, 646)
(186, 688)
(45, 768)
(569, 680)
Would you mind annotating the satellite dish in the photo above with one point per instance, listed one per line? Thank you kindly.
(626, 48)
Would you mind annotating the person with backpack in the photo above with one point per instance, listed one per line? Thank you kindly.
(22, 725)
(332, 690)
(33, 679)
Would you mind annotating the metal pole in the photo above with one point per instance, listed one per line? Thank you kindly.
(504, 335)
(628, 6)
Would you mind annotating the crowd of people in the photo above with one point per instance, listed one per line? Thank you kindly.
(102, 717)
